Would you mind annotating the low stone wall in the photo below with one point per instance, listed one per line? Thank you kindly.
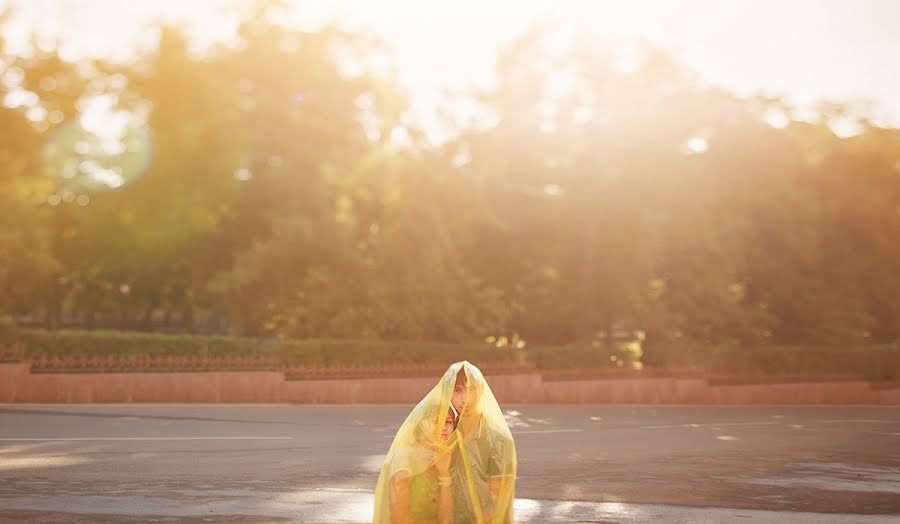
(18, 384)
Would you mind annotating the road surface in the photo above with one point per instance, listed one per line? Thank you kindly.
(283, 463)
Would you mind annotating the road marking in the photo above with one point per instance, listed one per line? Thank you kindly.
(862, 421)
(78, 439)
(535, 432)
(712, 425)
(548, 431)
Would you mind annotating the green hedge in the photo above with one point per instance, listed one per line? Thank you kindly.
(364, 352)
(874, 362)
(66, 343)
(569, 357)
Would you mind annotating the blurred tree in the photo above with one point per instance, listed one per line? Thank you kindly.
(26, 257)
(599, 187)
(38, 90)
(310, 111)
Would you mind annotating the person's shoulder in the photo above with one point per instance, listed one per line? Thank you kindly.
(400, 461)
(499, 434)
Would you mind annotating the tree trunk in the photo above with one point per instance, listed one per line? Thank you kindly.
(90, 319)
(53, 317)
(147, 317)
(189, 322)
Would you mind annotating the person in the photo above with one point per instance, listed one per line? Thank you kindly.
(424, 496)
(453, 458)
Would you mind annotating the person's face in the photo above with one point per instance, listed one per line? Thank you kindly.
(449, 425)
(459, 392)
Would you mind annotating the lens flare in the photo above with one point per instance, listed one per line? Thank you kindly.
(88, 162)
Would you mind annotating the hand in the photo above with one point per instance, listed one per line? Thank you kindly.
(442, 464)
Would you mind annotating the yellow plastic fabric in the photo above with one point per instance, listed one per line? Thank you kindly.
(482, 459)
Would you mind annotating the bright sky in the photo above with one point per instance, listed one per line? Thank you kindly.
(807, 50)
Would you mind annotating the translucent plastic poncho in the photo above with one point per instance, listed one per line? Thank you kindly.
(469, 477)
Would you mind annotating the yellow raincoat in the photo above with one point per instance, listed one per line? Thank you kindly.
(416, 484)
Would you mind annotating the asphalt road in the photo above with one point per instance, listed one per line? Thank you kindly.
(279, 463)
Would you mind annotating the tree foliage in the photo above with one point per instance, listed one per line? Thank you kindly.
(288, 192)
